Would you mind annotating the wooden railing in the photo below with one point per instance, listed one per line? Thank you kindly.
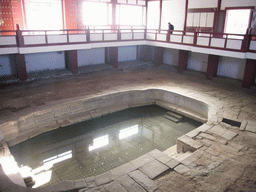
(223, 41)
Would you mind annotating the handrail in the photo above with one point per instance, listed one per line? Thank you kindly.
(196, 38)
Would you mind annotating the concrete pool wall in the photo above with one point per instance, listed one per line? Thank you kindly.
(49, 117)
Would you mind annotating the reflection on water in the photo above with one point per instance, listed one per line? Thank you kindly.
(98, 145)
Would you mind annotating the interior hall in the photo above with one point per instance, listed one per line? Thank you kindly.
(64, 62)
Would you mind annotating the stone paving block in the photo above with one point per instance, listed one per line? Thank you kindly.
(181, 169)
(121, 170)
(95, 189)
(90, 182)
(218, 130)
(160, 156)
(207, 136)
(103, 179)
(173, 163)
(153, 169)
(229, 135)
(251, 126)
(143, 180)
(193, 133)
(243, 125)
(80, 184)
(114, 187)
(142, 160)
(185, 143)
(63, 186)
(204, 128)
(129, 184)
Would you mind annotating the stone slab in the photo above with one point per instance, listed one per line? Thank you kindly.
(229, 135)
(173, 163)
(142, 160)
(129, 184)
(160, 156)
(95, 189)
(143, 180)
(103, 178)
(217, 130)
(243, 125)
(90, 181)
(122, 170)
(251, 126)
(114, 187)
(185, 143)
(80, 184)
(181, 169)
(63, 186)
(153, 169)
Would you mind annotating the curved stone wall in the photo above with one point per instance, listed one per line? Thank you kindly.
(30, 124)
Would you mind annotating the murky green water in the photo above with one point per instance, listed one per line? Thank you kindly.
(98, 145)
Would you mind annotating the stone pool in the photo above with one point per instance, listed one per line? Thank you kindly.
(98, 145)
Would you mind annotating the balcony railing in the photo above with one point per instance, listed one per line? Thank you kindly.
(33, 38)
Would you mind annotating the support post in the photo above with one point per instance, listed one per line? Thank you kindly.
(112, 56)
(183, 60)
(71, 61)
(249, 73)
(20, 65)
(213, 61)
(144, 53)
(158, 59)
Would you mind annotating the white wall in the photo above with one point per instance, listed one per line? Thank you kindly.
(198, 61)
(5, 65)
(173, 12)
(127, 53)
(45, 61)
(171, 57)
(91, 56)
(237, 3)
(192, 4)
(231, 67)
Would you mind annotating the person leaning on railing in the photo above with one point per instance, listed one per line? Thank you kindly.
(171, 27)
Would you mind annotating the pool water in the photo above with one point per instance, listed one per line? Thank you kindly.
(95, 146)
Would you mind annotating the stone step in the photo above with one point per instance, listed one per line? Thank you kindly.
(174, 119)
(178, 116)
(183, 156)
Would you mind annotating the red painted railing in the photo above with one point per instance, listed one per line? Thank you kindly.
(30, 38)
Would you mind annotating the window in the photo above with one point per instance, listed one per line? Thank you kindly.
(95, 13)
(43, 14)
(237, 21)
(130, 15)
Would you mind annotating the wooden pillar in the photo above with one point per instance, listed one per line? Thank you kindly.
(111, 56)
(144, 53)
(20, 66)
(158, 57)
(183, 60)
(71, 61)
(213, 61)
(249, 73)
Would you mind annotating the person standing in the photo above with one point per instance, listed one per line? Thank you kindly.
(171, 27)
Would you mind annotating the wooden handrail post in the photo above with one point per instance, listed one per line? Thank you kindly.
(195, 38)
(88, 35)
(168, 36)
(19, 37)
